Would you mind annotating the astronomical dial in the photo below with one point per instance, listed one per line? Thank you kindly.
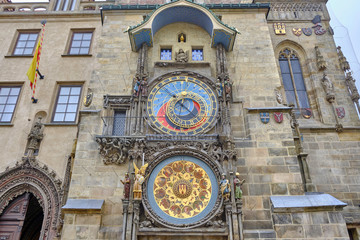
(182, 105)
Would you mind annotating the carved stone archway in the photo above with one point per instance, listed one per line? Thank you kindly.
(29, 176)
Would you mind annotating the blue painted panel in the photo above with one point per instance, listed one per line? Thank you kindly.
(143, 36)
(182, 14)
(220, 36)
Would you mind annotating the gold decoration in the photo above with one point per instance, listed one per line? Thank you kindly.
(139, 180)
(279, 28)
(182, 189)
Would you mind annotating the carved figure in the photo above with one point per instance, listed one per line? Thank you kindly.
(227, 85)
(35, 135)
(182, 38)
(219, 88)
(225, 187)
(126, 183)
(344, 64)
(181, 56)
(279, 97)
(139, 180)
(137, 83)
(329, 88)
(321, 63)
(237, 185)
(144, 87)
(350, 82)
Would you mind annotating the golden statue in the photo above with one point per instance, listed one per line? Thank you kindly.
(139, 180)
(182, 39)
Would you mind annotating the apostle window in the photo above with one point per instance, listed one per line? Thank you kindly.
(165, 54)
(80, 43)
(197, 55)
(293, 79)
(25, 43)
(67, 104)
(8, 99)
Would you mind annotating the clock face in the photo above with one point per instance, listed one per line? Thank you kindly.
(182, 189)
(182, 105)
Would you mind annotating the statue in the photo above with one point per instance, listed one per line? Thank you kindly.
(237, 185)
(144, 87)
(35, 136)
(136, 86)
(182, 38)
(181, 56)
(329, 88)
(350, 81)
(321, 63)
(344, 64)
(139, 180)
(225, 187)
(126, 183)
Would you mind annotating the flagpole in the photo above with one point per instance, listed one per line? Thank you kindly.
(38, 54)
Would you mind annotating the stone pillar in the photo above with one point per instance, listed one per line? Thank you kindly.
(125, 203)
(135, 222)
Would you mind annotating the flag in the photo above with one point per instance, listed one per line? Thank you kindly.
(33, 70)
(34, 64)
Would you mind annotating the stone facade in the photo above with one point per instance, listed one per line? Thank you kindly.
(290, 156)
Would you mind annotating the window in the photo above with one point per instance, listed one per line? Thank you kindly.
(197, 55)
(119, 123)
(165, 54)
(25, 43)
(67, 104)
(8, 100)
(293, 79)
(80, 43)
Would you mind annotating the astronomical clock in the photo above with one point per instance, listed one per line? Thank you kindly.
(183, 186)
(182, 105)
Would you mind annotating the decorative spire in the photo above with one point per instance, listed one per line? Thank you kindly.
(321, 63)
(344, 64)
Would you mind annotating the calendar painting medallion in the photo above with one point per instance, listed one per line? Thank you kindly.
(182, 105)
(182, 190)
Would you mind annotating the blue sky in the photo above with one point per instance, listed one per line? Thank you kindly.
(345, 20)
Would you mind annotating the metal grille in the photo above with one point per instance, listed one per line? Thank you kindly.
(119, 123)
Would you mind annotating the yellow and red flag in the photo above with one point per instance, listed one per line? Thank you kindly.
(32, 72)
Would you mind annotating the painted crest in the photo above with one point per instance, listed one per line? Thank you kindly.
(265, 117)
(340, 111)
(280, 28)
(88, 99)
(297, 31)
(307, 31)
(319, 30)
(279, 117)
(306, 113)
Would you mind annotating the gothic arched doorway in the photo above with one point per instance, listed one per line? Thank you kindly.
(33, 185)
(22, 219)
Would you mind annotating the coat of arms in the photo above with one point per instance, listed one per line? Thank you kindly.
(297, 31)
(265, 117)
(340, 111)
(279, 28)
(279, 117)
(319, 30)
(307, 31)
(306, 113)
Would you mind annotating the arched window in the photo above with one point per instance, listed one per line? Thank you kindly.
(293, 79)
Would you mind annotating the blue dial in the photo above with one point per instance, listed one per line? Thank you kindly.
(182, 105)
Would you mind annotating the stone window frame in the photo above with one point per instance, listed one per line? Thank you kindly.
(290, 54)
(15, 42)
(306, 66)
(70, 42)
(7, 98)
(113, 103)
(60, 86)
